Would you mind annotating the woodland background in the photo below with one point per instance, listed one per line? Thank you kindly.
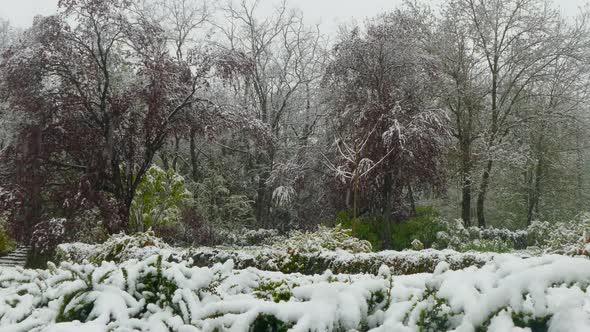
(195, 118)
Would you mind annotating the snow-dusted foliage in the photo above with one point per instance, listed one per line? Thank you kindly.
(48, 234)
(118, 248)
(159, 199)
(565, 237)
(250, 237)
(283, 195)
(508, 293)
(569, 238)
(458, 237)
(303, 254)
(6, 243)
(323, 239)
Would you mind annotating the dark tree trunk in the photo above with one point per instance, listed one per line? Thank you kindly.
(483, 189)
(535, 191)
(466, 201)
(193, 153)
(29, 177)
(176, 152)
(466, 182)
(263, 196)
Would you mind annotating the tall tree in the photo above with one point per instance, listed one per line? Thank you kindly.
(104, 92)
(282, 61)
(515, 40)
(462, 93)
(385, 115)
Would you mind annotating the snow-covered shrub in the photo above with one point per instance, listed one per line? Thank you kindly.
(159, 199)
(117, 248)
(324, 238)
(48, 234)
(506, 294)
(538, 233)
(250, 237)
(403, 262)
(453, 235)
(282, 259)
(456, 236)
(417, 245)
(382, 232)
(518, 239)
(485, 245)
(563, 237)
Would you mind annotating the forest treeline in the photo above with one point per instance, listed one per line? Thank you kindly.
(189, 116)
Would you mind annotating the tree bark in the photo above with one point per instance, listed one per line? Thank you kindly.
(466, 182)
(193, 156)
(412, 200)
(481, 197)
(535, 192)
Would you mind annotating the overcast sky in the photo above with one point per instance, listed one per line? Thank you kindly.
(329, 12)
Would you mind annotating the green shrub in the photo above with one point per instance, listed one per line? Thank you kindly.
(324, 238)
(156, 288)
(368, 229)
(269, 323)
(379, 232)
(422, 227)
(6, 243)
(437, 315)
(160, 197)
(454, 235)
(275, 291)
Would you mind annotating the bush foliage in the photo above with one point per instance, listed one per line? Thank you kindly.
(385, 234)
(159, 200)
(157, 293)
(6, 243)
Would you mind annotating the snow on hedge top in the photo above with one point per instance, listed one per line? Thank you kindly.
(508, 293)
(118, 248)
(295, 255)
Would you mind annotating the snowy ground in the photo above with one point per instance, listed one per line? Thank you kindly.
(508, 293)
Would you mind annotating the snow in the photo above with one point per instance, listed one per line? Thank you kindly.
(552, 288)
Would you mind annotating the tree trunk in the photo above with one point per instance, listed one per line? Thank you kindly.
(193, 155)
(386, 199)
(466, 201)
(176, 152)
(483, 188)
(535, 191)
(412, 200)
(263, 197)
(466, 182)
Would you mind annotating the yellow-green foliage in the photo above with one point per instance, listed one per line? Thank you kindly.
(324, 238)
(159, 199)
(6, 243)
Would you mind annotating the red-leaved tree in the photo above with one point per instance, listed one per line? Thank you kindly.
(102, 92)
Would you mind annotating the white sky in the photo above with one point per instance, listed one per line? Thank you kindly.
(329, 12)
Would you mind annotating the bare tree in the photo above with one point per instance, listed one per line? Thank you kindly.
(515, 42)
(462, 93)
(282, 59)
(384, 113)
